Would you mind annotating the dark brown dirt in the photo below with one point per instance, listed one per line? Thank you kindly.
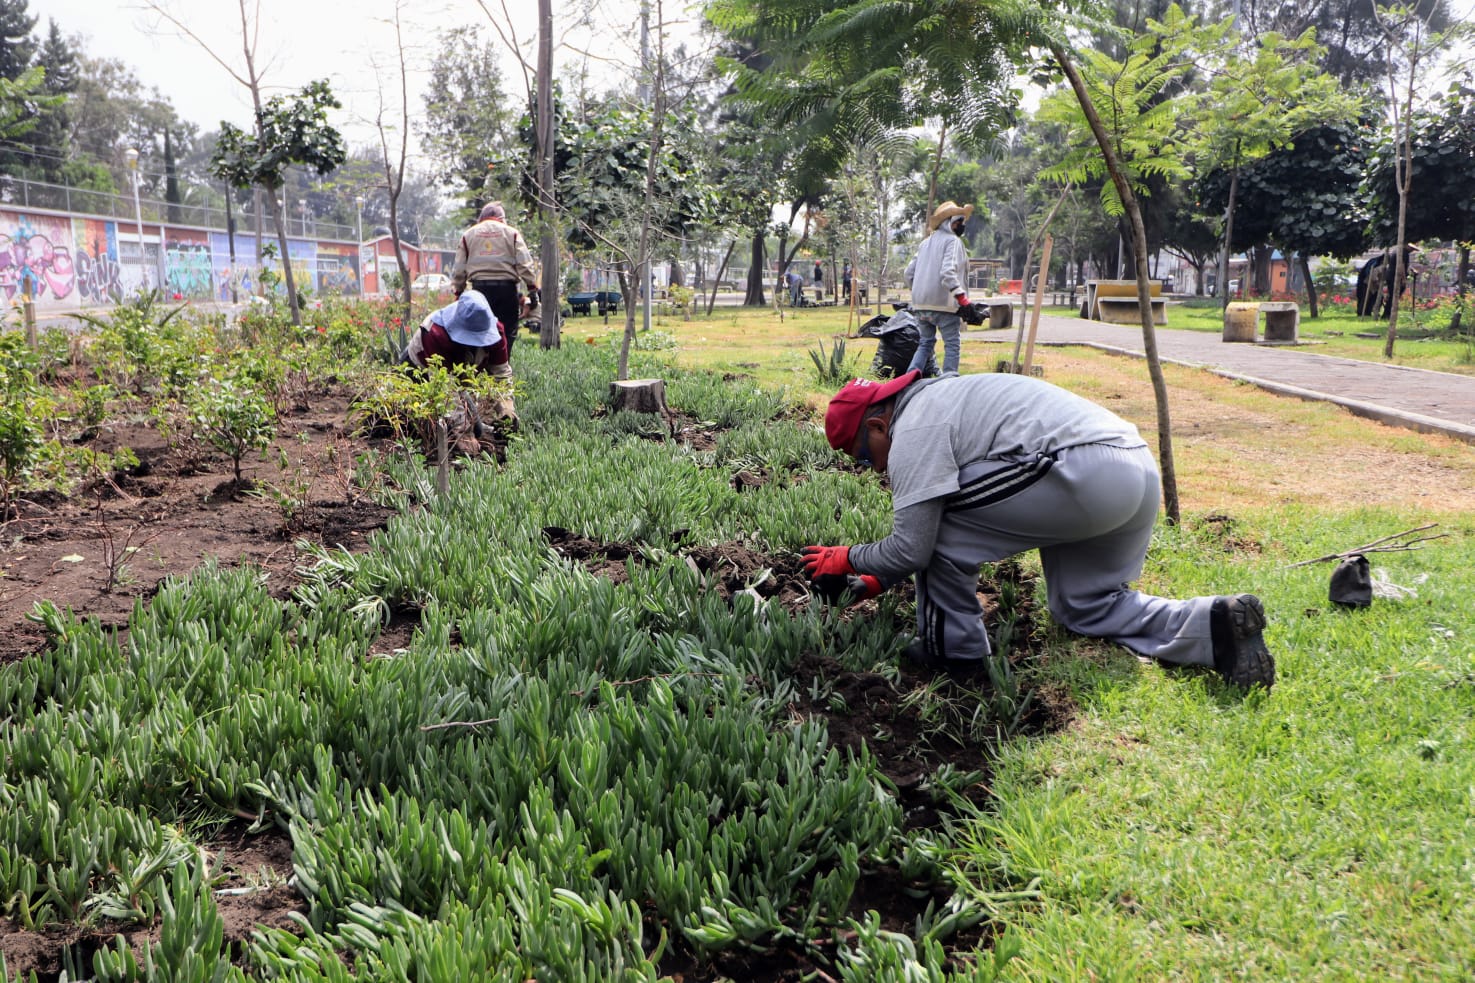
(116, 540)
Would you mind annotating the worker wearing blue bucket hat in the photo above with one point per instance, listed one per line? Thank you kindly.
(463, 333)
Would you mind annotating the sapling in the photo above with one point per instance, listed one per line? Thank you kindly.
(20, 441)
(233, 420)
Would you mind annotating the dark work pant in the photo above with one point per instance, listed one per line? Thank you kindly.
(501, 296)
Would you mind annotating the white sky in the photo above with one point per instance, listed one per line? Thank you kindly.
(303, 40)
(342, 40)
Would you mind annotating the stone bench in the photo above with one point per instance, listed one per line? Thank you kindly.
(1282, 321)
(1115, 302)
(1241, 322)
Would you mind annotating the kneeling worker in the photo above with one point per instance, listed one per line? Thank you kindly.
(986, 466)
(463, 333)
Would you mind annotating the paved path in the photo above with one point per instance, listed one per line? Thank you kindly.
(1420, 399)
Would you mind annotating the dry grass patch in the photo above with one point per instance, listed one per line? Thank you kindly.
(1236, 446)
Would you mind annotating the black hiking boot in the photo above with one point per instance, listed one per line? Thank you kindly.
(917, 654)
(1236, 625)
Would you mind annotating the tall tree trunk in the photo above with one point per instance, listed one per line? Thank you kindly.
(627, 291)
(648, 202)
(171, 180)
(549, 334)
(1312, 301)
(712, 296)
(1462, 271)
(1228, 238)
(230, 237)
(399, 251)
(932, 178)
(754, 295)
(1144, 289)
(287, 277)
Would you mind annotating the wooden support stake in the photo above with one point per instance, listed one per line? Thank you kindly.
(28, 312)
(442, 458)
(1034, 321)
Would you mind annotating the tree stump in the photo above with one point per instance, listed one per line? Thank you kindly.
(639, 396)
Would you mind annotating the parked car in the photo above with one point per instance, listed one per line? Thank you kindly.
(430, 283)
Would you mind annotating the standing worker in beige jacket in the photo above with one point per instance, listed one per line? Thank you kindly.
(494, 259)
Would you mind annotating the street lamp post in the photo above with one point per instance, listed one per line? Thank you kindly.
(131, 156)
(302, 210)
(358, 203)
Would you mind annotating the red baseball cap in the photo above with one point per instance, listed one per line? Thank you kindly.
(848, 408)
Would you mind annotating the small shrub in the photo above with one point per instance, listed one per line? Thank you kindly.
(233, 420)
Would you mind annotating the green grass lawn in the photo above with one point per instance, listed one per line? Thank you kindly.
(1320, 832)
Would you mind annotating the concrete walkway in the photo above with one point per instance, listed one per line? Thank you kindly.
(1420, 399)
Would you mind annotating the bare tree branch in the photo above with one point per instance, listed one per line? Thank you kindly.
(1383, 544)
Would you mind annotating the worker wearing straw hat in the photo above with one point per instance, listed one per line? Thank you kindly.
(938, 278)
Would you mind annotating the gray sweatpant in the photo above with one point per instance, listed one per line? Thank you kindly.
(1090, 515)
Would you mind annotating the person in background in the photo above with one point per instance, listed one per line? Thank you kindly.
(819, 280)
(493, 260)
(938, 275)
(982, 467)
(845, 277)
(796, 287)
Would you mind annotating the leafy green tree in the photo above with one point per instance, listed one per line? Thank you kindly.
(17, 47)
(22, 100)
(289, 130)
(466, 123)
(1261, 94)
(848, 73)
(46, 151)
(611, 175)
(1355, 50)
(1414, 49)
(1441, 156)
(1141, 126)
(1305, 197)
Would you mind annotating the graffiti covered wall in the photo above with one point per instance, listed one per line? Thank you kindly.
(77, 261)
(188, 268)
(338, 272)
(36, 253)
(99, 280)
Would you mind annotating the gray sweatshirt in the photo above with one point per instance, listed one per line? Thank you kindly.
(942, 426)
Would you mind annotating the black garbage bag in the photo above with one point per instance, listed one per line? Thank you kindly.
(897, 337)
(1352, 583)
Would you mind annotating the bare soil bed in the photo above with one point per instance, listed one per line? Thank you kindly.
(114, 543)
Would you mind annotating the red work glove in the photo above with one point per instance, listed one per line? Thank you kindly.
(864, 587)
(821, 560)
(962, 299)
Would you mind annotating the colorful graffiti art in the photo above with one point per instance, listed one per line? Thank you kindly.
(187, 267)
(337, 270)
(99, 278)
(36, 250)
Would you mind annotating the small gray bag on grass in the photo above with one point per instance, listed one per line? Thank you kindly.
(1352, 583)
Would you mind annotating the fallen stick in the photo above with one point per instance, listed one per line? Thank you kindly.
(1384, 544)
